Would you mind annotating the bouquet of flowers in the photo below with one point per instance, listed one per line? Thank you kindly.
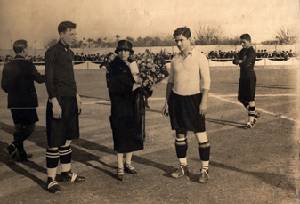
(152, 69)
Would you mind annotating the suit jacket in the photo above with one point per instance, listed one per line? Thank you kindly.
(18, 82)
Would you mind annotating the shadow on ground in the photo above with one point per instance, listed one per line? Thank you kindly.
(79, 155)
(84, 157)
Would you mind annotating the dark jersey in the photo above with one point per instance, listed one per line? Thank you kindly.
(59, 71)
(247, 55)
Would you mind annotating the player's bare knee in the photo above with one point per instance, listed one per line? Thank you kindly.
(252, 103)
(202, 137)
(180, 136)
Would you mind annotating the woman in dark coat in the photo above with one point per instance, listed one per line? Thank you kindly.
(127, 107)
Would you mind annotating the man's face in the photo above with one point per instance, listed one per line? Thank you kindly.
(69, 36)
(245, 43)
(182, 42)
(123, 54)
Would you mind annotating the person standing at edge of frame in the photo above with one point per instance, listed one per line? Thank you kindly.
(126, 108)
(186, 101)
(247, 82)
(63, 107)
(18, 81)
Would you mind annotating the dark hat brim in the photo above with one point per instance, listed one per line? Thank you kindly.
(120, 49)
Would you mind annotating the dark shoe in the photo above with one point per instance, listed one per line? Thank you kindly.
(120, 174)
(129, 169)
(29, 156)
(53, 186)
(180, 172)
(12, 151)
(71, 177)
(22, 156)
(203, 178)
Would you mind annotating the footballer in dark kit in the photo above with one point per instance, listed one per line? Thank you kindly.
(247, 82)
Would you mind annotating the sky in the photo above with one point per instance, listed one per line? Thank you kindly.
(37, 21)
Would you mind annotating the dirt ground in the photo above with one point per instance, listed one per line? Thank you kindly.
(247, 166)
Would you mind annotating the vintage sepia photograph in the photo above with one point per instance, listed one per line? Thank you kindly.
(149, 102)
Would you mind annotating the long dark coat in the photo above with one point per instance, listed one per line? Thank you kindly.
(127, 117)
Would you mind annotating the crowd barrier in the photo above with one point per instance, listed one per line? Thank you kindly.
(265, 62)
(259, 62)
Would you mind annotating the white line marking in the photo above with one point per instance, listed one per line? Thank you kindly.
(95, 102)
(156, 98)
(259, 109)
(163, 98)
(259, 95)
(221, 97)
(232, 95)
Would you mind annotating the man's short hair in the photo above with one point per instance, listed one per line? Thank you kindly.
(184, 31)
(19, 46)
(246, 37)
(65, 25)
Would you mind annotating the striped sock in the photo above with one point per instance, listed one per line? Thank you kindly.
(204, 152)
(181, 147)
(65, 154)
(251, 113)
(52, 159)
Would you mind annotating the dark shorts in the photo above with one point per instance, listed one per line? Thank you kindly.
(65, 128)
(184, 113)
(24, 116)
(247, 87)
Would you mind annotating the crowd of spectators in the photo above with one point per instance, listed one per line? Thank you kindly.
(214, 55)
(259, 54)
(89, 57)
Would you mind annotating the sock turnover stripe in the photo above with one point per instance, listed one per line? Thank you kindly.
(204, 145)
(64, 151)
(180, 139)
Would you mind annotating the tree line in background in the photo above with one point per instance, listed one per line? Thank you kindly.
(284, 36)
(204, 35)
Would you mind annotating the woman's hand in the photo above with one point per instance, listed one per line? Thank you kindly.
(137, 82)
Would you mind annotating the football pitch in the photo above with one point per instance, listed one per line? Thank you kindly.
(255, 165)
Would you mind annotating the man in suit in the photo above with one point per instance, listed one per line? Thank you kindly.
(18, 80)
